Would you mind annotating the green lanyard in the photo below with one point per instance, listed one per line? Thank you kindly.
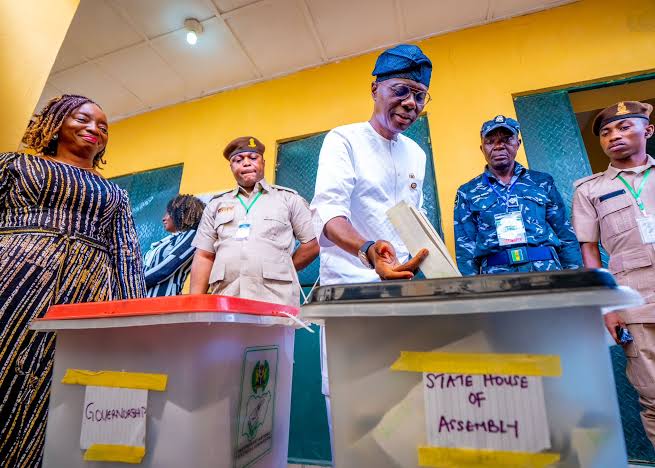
(637, 194)
(247, 207)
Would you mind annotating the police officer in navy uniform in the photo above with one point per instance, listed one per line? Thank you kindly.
(510, 218)
(245, 240)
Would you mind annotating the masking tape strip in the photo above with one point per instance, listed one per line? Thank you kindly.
(461, 363)
(461, 457)
(116, 379)
(115, 453)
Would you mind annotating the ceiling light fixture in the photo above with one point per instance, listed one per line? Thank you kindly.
(194, 29)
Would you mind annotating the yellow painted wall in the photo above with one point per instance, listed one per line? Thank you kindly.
(31, 33)
(476, 73)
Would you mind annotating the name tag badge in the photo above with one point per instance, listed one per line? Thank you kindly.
(647, 229)
(243, 231)
(510, 228)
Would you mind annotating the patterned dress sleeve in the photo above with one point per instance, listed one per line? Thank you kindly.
(128, 281)
(6, 159)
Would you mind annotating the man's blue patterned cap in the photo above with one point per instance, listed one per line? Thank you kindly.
(500, 121)
(403, 61)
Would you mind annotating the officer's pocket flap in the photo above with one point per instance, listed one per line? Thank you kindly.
(277, 218)
(223, 217)
(217, 273)
(277, 271)
(612, 204)
(630, 260)
(636, 259)
(485, 203)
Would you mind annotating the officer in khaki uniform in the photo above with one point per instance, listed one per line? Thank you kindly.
(246, 236)
(617, 208)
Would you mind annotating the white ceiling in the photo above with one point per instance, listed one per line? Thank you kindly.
(131, 56)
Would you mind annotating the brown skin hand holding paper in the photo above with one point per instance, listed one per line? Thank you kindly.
(383, 257)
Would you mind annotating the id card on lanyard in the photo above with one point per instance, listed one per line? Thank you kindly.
(243, 231)
(510, 229)
(645, 222)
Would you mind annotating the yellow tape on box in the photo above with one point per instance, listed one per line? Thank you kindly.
(468, 458)
(115, 453)
(465, 363)
(116, 379)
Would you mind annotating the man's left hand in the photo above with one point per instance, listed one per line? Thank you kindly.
(383, 257)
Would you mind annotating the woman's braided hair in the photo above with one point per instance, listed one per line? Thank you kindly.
(41, 134)
(186, 211)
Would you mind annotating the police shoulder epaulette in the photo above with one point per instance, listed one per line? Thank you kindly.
(220, 194)
(579, 182)
(286, 189)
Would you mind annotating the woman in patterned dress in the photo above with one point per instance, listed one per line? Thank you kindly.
(66, 236)
(168, 261)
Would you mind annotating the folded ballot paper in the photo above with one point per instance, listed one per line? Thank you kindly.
(417, 233)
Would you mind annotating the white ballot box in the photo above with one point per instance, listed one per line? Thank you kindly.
(493, 370)
(188, 381)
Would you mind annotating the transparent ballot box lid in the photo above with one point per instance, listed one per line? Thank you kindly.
(470, 294)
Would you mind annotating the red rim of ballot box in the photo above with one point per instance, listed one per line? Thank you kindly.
(167, 305)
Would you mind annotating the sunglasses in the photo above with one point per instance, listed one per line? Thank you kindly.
(403, 91)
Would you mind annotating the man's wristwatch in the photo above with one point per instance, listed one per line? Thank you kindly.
(363, 254)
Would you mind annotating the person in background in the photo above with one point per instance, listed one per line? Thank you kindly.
(510, 218)
(617, 208)
(168, 262)
(66, 236)
(247, 234)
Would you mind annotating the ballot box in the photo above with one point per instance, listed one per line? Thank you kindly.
(188, 381)
(494, 370)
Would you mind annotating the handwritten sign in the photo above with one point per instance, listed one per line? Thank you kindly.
(487, 411)
(114, 416)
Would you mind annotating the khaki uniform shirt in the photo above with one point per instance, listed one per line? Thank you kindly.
(604, 209)
(259, 267)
